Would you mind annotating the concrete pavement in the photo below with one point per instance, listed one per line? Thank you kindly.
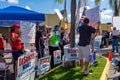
(112, 74)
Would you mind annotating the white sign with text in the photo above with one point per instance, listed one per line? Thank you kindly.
(57, 57)
(28, 32)
(43, 65)
(26, 65)
(116, 22)
(71, 53)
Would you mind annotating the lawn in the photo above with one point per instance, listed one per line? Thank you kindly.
(69, 73)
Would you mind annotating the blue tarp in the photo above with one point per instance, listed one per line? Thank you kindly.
(20, 14)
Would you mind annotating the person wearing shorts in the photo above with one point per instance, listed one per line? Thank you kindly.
(85, 32)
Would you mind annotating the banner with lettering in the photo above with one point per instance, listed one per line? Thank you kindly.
(26, 65)
(43, 65)
(28, 32)
(71, 53)
(57, 57)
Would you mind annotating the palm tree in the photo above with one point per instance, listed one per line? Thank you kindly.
(72, 30)
(114, 4)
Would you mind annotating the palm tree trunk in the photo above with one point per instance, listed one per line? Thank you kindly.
(72, 30)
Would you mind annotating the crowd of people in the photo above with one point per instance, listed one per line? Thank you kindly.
(45, 33)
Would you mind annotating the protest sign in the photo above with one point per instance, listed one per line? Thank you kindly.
(57, 57)
(28, 32)
(26, 65)
(43, 65)
(93, 15)
(116, 22)
(59, 14)
(71, 53)
(30, 76)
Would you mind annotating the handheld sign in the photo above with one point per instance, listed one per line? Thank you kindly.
(28, 32)
(59, 14)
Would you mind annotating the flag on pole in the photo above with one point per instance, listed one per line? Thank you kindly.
(81, 19)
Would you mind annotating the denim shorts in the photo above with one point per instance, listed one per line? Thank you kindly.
(16, 54)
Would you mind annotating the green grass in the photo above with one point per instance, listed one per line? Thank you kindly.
(68, 73)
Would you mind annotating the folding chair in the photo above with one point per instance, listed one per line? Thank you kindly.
(3, 70)
(3, 66)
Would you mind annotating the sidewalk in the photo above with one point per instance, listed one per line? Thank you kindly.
(112, 74)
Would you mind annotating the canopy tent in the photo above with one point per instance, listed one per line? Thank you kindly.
(20, 14)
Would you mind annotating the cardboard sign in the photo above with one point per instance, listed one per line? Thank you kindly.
(43, 65)
(57, 57)
(26, 65)
(28, 32)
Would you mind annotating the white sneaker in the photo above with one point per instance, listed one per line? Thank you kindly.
(86, 72)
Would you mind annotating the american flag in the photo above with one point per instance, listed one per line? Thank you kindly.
(81, 19)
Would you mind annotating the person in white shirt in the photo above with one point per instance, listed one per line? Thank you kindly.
(115, 34)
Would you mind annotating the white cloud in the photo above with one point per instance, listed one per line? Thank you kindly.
(13, 1)
(106, 15)
(27, 7)
(105, 12)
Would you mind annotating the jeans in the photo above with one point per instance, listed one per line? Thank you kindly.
(115, 45)
(41, 52)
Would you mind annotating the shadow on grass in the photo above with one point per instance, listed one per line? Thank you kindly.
(74, 73)
(64, 73)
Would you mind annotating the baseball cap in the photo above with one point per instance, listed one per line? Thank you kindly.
(16, 26)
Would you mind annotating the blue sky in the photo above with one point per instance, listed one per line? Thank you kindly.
(48, 6)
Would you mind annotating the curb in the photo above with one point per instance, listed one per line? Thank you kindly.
(105, 73)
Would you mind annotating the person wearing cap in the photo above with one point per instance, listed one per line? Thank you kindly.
(16, 45)
(2, 43)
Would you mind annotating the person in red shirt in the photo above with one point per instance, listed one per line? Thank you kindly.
(2, 43)
(15, 41)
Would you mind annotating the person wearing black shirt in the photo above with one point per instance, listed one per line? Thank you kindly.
(85, 32)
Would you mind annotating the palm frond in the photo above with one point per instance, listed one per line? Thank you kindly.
(97, 2)
(59, 1)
